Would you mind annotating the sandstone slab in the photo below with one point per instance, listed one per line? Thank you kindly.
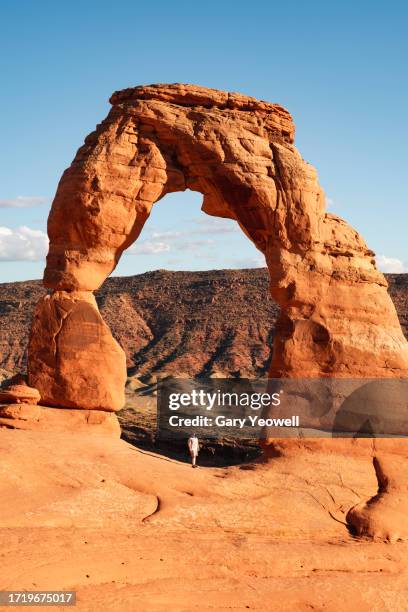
(32, 417)
(130, 530)
(19, 394)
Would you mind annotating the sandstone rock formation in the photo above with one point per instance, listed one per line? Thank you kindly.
(74, 360)
(19, 394)
(336, 315)
(383, 517)
(58, 420)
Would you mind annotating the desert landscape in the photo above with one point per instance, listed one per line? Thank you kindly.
(284, 524)
(191, 326)
(131, 530)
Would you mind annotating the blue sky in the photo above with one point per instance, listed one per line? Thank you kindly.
(339, 67)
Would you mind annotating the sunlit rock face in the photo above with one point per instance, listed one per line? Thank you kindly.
(74, 360)
(336, 319)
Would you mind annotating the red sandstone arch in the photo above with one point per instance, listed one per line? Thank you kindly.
(336, 316)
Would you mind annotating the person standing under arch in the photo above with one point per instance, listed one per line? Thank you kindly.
(194, 448)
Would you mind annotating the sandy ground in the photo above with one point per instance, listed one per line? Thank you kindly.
(131, 530)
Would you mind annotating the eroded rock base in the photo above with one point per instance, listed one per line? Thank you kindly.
(43, 418)
(74, 359)
(384, 516)
(380, 517)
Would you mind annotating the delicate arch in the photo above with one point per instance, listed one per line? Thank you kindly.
(336, 315)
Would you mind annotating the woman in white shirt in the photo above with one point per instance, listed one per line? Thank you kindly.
(193, 447)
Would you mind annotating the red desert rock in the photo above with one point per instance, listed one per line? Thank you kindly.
(19, 394)
(153, 534)
(42, 418)
(383, 517)
(74, 360)
(336, 315)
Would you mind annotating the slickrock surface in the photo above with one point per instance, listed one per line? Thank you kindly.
(191, 322)
(43, 418)
(130, 530)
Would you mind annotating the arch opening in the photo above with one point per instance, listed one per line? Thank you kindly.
(173, 339)
(205, 283)
(180, 235)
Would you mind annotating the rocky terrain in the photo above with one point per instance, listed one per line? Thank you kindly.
(195, 323)
(131, 530)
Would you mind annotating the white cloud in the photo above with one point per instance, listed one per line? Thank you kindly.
(392, 265)
(168, 235)
(149, 247)
(250, 262)
(154, 246)
(217, 225)
(206, 226)
(191, 245)
(23, 202)
(22, 244)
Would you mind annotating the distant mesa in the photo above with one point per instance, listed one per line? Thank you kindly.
(234, 332)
